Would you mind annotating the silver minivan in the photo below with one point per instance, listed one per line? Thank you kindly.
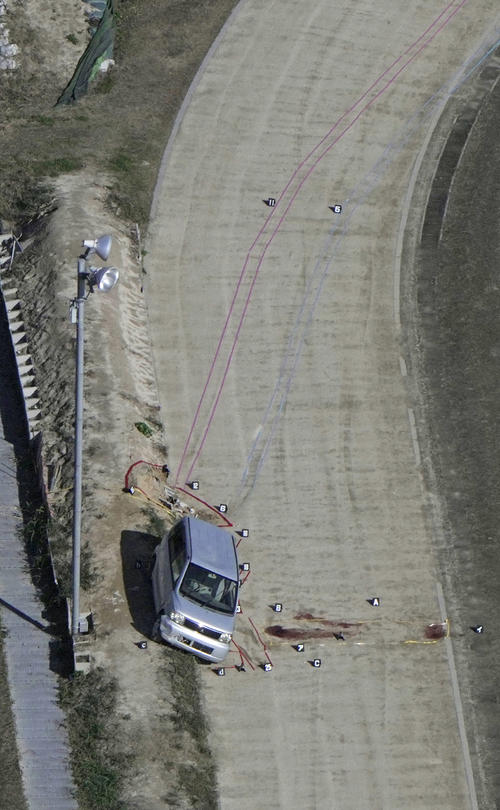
(195, 588)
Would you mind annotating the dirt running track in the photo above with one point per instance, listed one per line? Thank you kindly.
(276, 335)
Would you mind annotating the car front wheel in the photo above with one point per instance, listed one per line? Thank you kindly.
(155, 632)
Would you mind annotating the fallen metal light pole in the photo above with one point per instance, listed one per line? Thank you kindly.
(104, 278)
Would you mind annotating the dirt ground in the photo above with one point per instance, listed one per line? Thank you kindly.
(306, 429)
(115, 139)
(454, 336)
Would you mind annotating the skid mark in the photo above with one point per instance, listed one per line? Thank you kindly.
(330, 250)
(287, 197)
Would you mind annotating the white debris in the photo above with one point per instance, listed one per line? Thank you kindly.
(105, 65)
(7, 49)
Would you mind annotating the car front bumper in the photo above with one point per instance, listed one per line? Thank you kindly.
(205, 647)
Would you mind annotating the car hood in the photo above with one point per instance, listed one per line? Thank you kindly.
(204, 615)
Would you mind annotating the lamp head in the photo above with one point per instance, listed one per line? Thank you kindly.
(101, 246)
(104, 278)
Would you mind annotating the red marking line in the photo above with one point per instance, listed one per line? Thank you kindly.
(226, 520)
(141, 461)
(282, 218)
(208, 505)
(243, 656)
(239, 541)
(260, 639)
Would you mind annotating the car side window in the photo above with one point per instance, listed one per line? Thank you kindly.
(177, 553)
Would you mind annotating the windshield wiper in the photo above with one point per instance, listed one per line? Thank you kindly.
(191, 595)
(220, 606)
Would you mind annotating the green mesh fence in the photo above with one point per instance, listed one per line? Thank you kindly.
(99, 48)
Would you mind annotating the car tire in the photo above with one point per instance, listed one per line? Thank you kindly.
(155, 631)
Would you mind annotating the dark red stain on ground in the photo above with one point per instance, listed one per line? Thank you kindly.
(435, 631)
(325, 628)
(297, 633)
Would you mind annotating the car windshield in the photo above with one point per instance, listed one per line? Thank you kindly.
(208, 588)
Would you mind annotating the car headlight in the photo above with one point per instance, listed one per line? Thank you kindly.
(225, 638)
(177, 617)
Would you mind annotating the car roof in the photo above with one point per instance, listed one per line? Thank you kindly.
(212, 547)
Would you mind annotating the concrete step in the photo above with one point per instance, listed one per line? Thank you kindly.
(11, 304)
(23, 358)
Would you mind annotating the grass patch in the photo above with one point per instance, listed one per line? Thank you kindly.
(34, 533)
(197, 776)
(105, 83)
(56, 166)
(46, 120)
(61, 546)
(129, 111)
(155, 526)
(90, 705)
(27, 196)
(121, 163)
(11, 787)
(144, 428)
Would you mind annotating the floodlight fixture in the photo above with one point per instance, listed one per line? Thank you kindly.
(101, 246)
(104, 278)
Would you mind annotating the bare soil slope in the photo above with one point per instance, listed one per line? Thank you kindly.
(99, 160)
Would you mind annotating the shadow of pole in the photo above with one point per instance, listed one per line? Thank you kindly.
(43, 627)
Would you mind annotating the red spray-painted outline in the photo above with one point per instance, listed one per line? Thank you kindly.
(260, 639)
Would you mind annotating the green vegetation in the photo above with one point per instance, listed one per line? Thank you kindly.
(155, 525)
(26, 197)
(129, 111)
(121, 163)
(98, 764)
(144, 428)
(34, 532)
(56, 166)
(60, 547)
(105, 83)
(11, 788)
(46, 120)
(196, 774)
